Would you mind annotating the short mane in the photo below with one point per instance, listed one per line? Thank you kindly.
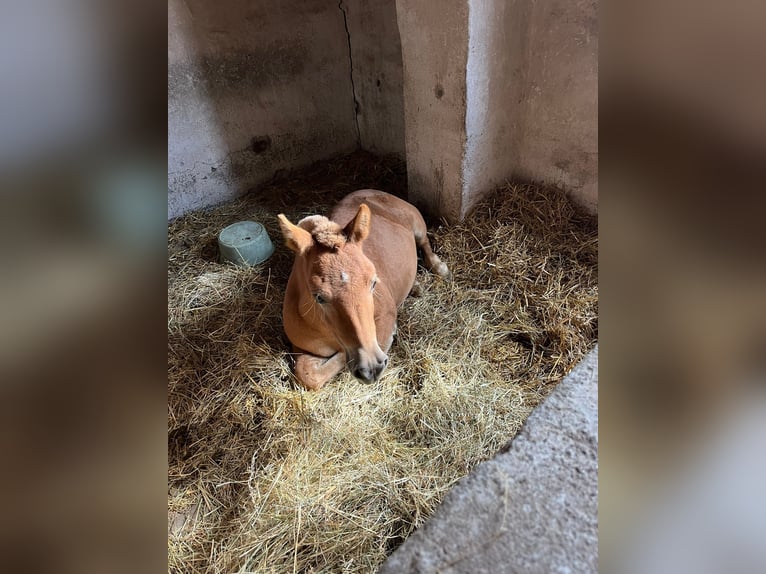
(325, 232)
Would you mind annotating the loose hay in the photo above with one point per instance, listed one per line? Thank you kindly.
(266, 477)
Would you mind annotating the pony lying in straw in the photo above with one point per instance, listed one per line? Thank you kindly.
(351, 273)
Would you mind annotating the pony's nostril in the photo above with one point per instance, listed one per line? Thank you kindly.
(363, 374)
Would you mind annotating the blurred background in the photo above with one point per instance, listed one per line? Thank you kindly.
(83, 200)
(682, 281)
(82, 275)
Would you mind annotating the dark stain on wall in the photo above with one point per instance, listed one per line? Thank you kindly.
(275, 64)
(577, 164)
(238, 73)
(260, 144)
(438, 179)
(591, 21)
(245, 167)
(439, 91)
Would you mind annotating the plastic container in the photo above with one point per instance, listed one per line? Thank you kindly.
(245, 243)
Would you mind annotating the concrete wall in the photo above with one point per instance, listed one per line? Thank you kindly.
(376, 61)
(523, 76)
(559, 142)
(258, 87)
(253, 88)
(474, 93)
(434, 50)
(495, 76)
(533, 96)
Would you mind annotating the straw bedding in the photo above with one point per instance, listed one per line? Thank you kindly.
(266, 477)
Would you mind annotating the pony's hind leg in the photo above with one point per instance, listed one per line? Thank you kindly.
(431, 259)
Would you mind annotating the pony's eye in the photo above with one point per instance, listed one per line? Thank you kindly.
(319, 299)
(374, 283)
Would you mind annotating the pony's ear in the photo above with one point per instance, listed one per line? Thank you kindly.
(296, 238)
(358, 228)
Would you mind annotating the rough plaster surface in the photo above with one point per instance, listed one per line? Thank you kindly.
(474, 93)
(523, 75)
(376, 56)
(434, 52)
(495, 88)
(559, 142)
(530, 509)
(253, 87)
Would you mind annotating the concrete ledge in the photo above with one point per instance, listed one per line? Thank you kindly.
(533, 508)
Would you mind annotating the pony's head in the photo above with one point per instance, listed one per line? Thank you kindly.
(338, 283)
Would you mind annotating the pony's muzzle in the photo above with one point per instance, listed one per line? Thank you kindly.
(369, 371)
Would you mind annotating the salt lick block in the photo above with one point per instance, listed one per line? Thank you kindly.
(245, 243)
(533, 508)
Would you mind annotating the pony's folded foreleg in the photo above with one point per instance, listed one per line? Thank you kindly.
(313, 372)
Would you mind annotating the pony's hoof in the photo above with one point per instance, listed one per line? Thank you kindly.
(417, 290)
(442, 271)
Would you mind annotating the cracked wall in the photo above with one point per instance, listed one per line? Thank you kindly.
(470, 92)
(253, 88)
(376, 55)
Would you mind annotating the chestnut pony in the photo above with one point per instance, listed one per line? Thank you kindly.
(350, 274)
